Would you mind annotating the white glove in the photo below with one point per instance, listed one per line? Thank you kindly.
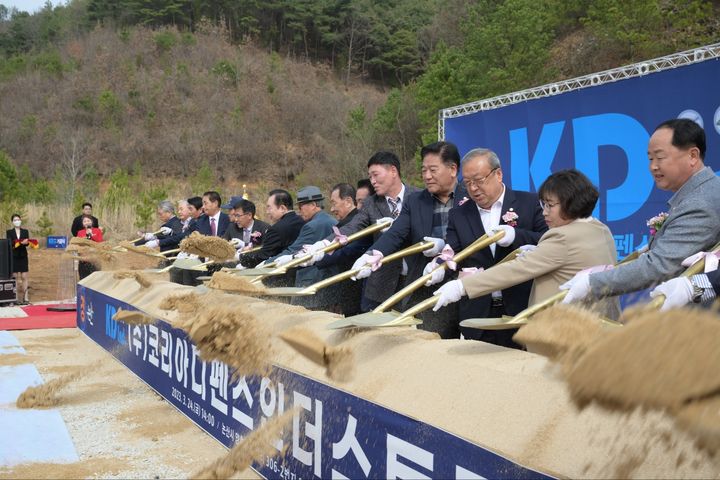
(182, 256)
(438, 245)
(437, 276)
(578, 286)
(152, 244)
(449, 293)
(525, 249)
(240, 266)
(383, 220)
(509, 237)
(317, 246)
(237, 243)
(149, 236)
(237, 255)
(361, 264)
(283, 260)
(678, 292)
(165, 231)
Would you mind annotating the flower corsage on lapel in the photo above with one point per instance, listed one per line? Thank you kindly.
(464, 199)
(510, 218)
(656, 222)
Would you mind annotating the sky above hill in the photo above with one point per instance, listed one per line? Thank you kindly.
(28, 5)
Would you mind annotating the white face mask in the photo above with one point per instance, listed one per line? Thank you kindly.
(17, 223)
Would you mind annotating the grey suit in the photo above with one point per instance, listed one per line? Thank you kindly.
(693, 225)
(384, 282)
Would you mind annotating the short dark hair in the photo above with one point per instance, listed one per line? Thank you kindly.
(575, 192)
(686, 134)
(246, 206)
(15, 215)
(213, 196)
(86, 204)
(385, 158)
(345, 190)
(365, 183)
(447, 151)
(282, 197)
(195, 202)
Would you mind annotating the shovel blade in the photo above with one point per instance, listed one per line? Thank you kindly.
(288, 292)
(503, 323)
(372, 319)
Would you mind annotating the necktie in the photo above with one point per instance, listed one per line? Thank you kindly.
(394, 210)
(213, 227)
(246, 235)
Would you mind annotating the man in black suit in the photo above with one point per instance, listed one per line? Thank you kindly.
(77, 221)
(213, 222)
(282, 233)
(385, 204)
(244, 228)
(171, 226)
(425, 217)
(492, 207)
(193, 207)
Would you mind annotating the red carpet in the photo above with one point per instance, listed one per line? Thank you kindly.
(39, 317)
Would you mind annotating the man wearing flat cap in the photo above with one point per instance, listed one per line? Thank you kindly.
(318, 225)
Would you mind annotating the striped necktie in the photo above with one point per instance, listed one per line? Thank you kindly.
(394, 210)
(213, 227)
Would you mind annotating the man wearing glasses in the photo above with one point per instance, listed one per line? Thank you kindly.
(492, 207)
(244, 228)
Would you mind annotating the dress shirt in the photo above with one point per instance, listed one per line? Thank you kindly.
(491, 219)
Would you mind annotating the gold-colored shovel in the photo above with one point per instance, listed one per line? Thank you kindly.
(334, 245)
(380, 314)
(340, 277)
(507, 322)
(140, 238)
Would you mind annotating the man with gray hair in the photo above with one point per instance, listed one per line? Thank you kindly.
(167, 238)
(492, 207)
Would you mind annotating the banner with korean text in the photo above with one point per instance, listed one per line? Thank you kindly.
(334, 434)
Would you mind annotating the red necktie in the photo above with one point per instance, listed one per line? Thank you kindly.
(213, 227)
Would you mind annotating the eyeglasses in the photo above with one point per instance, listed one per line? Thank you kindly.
(470, 182)
(548, 205)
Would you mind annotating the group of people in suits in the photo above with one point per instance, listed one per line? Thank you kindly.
(554, 228)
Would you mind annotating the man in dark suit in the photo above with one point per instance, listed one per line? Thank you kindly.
(77, 221)
(425, 217)
(283, 231)
(492, 207)
(385, 203)
(244, 228)
(171, 226)
(193, 207)
(213, 222)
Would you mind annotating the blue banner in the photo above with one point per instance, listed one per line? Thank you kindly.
(334, 434)
(602, 131)
(56, 241)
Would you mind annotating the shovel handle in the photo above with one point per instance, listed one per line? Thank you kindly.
(140, 238)
(168, 252)
(478, 244)
(411, 250)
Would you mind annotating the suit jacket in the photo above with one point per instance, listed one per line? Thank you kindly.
(234, 231)
(465, 226)
(560, 254)
(77, 224)
(693, 225)
(315, 229)
(345, 257)
(169, 242)
(414, 223)
(714, 279)
(383, 282)
(203, 224)
(277, 238)
(21, 250)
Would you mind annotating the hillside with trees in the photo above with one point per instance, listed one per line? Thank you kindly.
(97, 96)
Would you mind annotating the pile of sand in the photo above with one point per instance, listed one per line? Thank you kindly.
(183, 303)
(661, 360)
(226, 333)
(236, 284)
(132, 317)
(339, 362)
(137, 276)
(214, 248)
(255, 446)
(45, 395)
(108, 257)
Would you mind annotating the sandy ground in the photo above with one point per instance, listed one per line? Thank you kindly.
(120, 427)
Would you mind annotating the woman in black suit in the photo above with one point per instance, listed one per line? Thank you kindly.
(18, 238)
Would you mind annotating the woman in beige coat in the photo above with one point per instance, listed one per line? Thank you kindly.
(574, 241)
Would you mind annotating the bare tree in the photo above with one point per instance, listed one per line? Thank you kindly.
(73, 163)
